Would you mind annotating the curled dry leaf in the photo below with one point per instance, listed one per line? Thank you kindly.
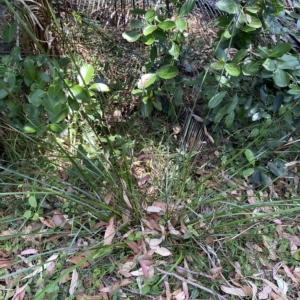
(39, 269)
(171, 228)
(20, 292)
(74, 282)
(109, 232)
(233, 291)
(143, 180)
(155, 209)
(162, 251)
(49, 222)
(153, 243)
(126, 268)
(29, 251)
(77, 259)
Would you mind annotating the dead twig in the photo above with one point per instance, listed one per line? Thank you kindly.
(191, 283)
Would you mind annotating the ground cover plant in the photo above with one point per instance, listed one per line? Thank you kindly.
(130, 171)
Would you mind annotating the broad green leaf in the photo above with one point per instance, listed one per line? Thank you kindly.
(217, 65)
(51, 105)
(79, 93)
(254, 132)
(30, 71)
(28, 128)
(136, 23)
(167, 25)
(178, 96)
(253, 21)
(250, 68)
(9, 32)
(277, 167)
(231, 107)
(180, 24)
(148, 39)
(248, 172)
(250, 156)
(187, 7)
(153, 53)
(280, 50)
(159, 35)
(99, 87)
(216, 99)
(174, 49)
(229, 6)
(232, 69)
(130, 36)
(167, 72)
(146, 109)
(150, 15)
(3, 94)
(281, 78)
(137, 92)
(157, 105)
(269, 64)
(137, 11)
(220, 54)
(247, 28)
(87, 73)
(146, 80)
(60, 116)
(32, 201)
(252, 9)
(229, 119)
(288, 61)
(27, 213)
(58, 127)
(266, 181)
(239, 56)
(36, 97)
(149, 29)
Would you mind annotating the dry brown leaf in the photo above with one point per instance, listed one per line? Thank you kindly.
(126, 199)
(289, 273)
(296, 273)
(126, 268)
(143, 180)
(108, 198)
(74, 282)
(29, 251)
(100, 224)
(20, 292)
(39, 269)
(77, 259)
(112, 288)
(251, 198)
(264, 294)
(215, 272)
(5, 263)
(134, 247)
(185, 289)
(233, 291)
(66, 277)
(171, 229)
(109, 232)
(178, 295)
(153, 243)
(162, 251)
(86, 297)
(155, 209)
(49, 222)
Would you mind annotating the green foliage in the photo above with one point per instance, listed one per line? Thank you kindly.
(258, 86)
(165, 40)
(36, 96)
